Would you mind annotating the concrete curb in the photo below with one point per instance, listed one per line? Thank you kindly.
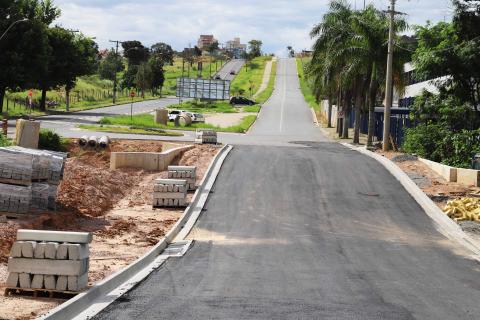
(442, 222)
(87, 304)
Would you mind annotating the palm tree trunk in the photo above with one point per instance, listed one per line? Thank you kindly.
(358, 103)
(371, 106)
(346, 116)
(329, 112)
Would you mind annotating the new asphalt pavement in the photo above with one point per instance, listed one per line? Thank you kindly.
(298, 227)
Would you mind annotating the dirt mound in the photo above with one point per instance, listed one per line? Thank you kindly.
(118, 228)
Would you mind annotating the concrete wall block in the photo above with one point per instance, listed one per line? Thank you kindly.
(28, 248)
(12, 280)
(447, 172)
(62, 251)
(54, 236)
(181, 182)
(468, 177)
(25, 280)
(16, 250)
(50, 281)
(77, 283)
(48, 267)
(39, 252)
(51, 250)
(61, 284)
(37, 281)
(78, 251)
(169, 195)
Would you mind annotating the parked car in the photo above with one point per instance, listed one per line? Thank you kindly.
(196, 117)
(232, 72)
(241, 100)
(218, 78)
(173, 114)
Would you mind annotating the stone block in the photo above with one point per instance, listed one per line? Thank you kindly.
(51, 250)
(48, 267)
(12, 280)
(61, 284)
(78, 251)
(62, 251)
(468, 177)
(37, 282)
(28, 248)
(25, 280)
(50, 281)
(56, 236)
(16, 250)
(77, 283)
(39, 252)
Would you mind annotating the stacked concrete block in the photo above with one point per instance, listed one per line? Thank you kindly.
(188, 173)
(206, 136)
(170, 193)
(49, 260)
(37, 172)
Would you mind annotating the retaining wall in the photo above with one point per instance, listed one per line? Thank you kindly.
(150, 161)
(447, 172)
(469, 177)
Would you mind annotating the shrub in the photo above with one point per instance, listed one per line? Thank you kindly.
(4, 142)
(49, 140)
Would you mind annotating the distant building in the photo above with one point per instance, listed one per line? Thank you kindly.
(236, 47)
(205, 40)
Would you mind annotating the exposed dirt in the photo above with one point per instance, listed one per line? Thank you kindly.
(113, 204)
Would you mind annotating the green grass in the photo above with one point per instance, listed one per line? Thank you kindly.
(254, 108)
(132, 130)
(146, 121)
(267, 93)
(305, 86)
(4, 141)
(205, 106)
(250, 77)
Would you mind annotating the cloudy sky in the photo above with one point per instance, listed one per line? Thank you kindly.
(277, 23)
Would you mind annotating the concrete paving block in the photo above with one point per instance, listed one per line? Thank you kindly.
(12, 280)
(39, 252)
(28, 248)
(50, 281)
(25, 280)
(55, 236)
(47, 266)
(78, 251)
(37, 282)
(51, 250)
(62, 251)
(181, 182)
(62, 282)
(77, 283)
(16, 250)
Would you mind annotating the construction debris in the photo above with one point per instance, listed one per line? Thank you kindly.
(170, 193)
(464, 209)
(206, 136)
(29, 178)
(47, 261)
(188, 173)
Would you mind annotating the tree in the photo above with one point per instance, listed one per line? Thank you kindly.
(144, 78)
(136, 54)
(212, 48)
(158, 78)
(255, 48)
(163, 52)
(110, 65)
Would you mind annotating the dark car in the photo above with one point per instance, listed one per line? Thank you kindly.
(232, 72)
(241, 100)
(218, 78)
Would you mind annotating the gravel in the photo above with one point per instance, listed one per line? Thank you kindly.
(404, 157)
(420, 180)
(470, 226)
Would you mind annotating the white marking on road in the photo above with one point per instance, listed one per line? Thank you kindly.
(284, 95)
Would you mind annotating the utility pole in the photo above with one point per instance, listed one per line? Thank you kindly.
(389, 80)
(115, 71)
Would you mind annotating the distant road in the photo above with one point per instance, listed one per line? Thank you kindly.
(235, 65)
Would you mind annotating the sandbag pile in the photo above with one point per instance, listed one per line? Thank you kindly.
(29, 178)
(464, 209)
(188, 173)
(49, 260)
(206, 136)
(170, 193)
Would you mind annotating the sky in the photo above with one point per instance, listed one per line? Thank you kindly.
(278, 23)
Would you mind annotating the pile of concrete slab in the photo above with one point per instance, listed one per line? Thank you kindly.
(170, 193)
(188, 173)
(49, 261)
(206, 136)
(29, 178)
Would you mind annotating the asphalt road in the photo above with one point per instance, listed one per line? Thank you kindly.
(302, 228)
(232, 65)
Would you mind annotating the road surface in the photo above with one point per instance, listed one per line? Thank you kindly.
(232, 65)
(301, 228)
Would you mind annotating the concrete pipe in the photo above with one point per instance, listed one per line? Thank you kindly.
(92, 141)
(83, 141)
(183, 120)
(103, 142)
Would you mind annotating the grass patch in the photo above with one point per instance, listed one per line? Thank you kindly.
(250, 78)
(4, 141)
(205, 106)
(254, 108)
(132, 130)
(147, 121)
(267, 93)
(305, 86)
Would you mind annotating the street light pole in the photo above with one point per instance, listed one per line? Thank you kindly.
(14, 23)
(389, 81)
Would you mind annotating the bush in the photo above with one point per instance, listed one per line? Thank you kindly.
(437, 143)
(49, 140)
(4, 142)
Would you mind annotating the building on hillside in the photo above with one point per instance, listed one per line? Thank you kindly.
(205, 40)
(236, 48)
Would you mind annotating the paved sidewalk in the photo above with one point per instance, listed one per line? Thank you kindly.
(266, 77)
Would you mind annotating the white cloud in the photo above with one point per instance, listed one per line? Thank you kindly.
(277, 23)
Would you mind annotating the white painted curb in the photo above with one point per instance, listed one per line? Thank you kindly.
(443, 223)
(86, 305)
